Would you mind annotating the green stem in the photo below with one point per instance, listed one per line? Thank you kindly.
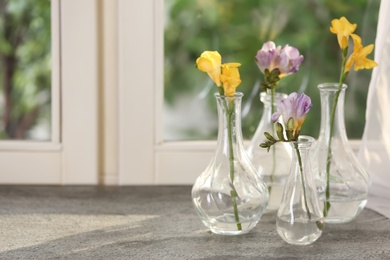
(343, 76)
(273, 147)
(303, 180)
(329, 155)
(230, 114)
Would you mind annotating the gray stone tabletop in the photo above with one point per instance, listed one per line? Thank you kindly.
(157, 222)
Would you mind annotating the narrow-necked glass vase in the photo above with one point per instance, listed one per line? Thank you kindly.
(273, 166)
(229, 196)
(299, 219)
(342, 182)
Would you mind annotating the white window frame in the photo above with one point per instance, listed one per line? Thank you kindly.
(144, 157)
(72, 154)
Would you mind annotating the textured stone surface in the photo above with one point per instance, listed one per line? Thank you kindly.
(157, 223)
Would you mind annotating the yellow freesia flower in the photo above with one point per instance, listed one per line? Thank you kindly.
(210, 62)
(230, 78)
(343, 28)
(358, 57)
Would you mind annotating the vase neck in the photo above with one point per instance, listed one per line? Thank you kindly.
(229, 121)
(270, 103)
(332, 106)
(301, 153)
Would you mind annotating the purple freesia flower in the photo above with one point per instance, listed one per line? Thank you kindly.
(268, 57)
(286, 59)
(290, 60)
(295, 108)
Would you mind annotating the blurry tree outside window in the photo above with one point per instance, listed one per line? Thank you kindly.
(237, 29)
(25, 69)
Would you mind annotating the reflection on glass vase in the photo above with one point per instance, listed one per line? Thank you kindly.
(342, 182)
(272, 166)
(229, 196)
(299, 219)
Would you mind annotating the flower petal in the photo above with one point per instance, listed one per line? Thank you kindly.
(230, 77)
(204, 64)
(343, 28)
(295, 108)
(270, 45)
(275, 116)
(358, 58)
(290, 60)
(210, 62)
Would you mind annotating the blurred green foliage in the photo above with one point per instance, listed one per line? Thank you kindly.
(238, 29)
(25, 67)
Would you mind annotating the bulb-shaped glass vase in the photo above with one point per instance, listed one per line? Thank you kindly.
(229, 196)
(299, 219)
(273, 166)
(342, 182)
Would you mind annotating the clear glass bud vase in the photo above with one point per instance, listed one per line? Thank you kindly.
(299, 219)
(229, 196)
(342, 182)
(272, 166)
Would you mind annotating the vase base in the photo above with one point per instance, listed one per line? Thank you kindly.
(300, 232)
(338, 220)
(229, 232)
(229, 228)
(344, 211)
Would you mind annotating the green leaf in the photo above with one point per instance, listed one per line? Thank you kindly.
(290, 124)
(269, 136)
(290, 135)
(275, 73)
(279, 131)
(271, 79)
(264, 145)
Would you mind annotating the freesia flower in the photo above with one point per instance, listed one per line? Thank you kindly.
(286, 59)
(343, 28)
(230, 78)
(210, 62)
(358, 57)
(225, 76)
(293, 108)
(290, 60)
(294, 111)
(268, 57)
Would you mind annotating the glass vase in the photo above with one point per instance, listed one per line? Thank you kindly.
(272, 166)
(299, 219)
(342, 182)
(229, 196)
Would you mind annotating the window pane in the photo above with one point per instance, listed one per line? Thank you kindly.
(237, 29)
(25, 69)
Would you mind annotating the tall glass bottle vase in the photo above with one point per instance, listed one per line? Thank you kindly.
(229, 196)
(272, 166)
(342, 182)
(299, 219)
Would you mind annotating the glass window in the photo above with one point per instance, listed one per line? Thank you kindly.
(237, 29)
(25, 70)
